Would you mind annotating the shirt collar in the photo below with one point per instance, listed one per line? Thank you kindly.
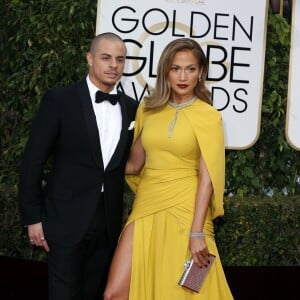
(93, 89)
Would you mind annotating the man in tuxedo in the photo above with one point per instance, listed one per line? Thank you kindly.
(87, 134)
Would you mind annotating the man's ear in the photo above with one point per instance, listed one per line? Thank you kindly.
(89, 58)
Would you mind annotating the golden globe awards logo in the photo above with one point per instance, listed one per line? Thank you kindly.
(126, 21)
(232, 36)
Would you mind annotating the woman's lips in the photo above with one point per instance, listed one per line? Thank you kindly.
(182, 86)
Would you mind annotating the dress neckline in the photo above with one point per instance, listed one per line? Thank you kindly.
(183, 104)
(178, 107)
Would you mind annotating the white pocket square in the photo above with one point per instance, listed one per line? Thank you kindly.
(131, 126)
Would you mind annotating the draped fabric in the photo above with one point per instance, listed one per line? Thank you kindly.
(164, 202)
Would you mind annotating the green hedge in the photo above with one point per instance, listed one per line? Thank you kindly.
(259, 232)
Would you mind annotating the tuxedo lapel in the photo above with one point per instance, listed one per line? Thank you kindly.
(121, 146)
(91, 123)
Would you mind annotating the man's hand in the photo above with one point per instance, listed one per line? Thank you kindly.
(36, 236)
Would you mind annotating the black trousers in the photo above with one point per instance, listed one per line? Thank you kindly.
(80, 272)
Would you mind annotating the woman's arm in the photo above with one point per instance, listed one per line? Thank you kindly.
(198, 245)
(136, 158)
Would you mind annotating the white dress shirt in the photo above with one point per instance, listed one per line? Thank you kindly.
(109, 122)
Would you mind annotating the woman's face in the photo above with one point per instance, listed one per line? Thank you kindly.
(183, 76)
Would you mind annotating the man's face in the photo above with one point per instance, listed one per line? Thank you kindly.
(106, 64)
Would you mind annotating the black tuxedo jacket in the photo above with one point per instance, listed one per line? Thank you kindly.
(65, 130)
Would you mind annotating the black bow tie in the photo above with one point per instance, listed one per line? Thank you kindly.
(112, 98)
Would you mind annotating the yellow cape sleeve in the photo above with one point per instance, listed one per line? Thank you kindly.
(207, 124)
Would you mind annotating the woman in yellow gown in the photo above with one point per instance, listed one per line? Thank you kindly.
(177, 174)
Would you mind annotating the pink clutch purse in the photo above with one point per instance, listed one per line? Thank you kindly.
(194, 276)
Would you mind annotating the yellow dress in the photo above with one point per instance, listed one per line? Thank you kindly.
(164, 202)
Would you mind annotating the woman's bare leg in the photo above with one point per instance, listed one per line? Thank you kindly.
(118, 284)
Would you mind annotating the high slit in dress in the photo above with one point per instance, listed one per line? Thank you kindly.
(165, 192)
